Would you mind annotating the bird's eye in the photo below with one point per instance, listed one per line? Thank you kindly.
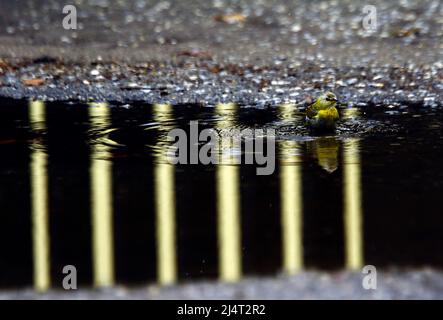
(331, 98)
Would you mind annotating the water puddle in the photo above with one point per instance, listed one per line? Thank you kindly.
(91, 186)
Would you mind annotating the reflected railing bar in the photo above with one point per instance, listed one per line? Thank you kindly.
(164, 177)
(291, 199)
(354, 258)
(39, 201)
(101, 197)
(228, 202)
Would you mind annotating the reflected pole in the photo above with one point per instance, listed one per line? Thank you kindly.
(101, 197)
(352, 205)
(228, 200)
(39, 201)
(164, 176)
(291, 198)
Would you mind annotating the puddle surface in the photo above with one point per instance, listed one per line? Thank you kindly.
(90, 186)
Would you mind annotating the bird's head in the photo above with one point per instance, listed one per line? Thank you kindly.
(327, 100)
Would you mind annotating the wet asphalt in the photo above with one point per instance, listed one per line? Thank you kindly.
(308, 285)
(253, 53)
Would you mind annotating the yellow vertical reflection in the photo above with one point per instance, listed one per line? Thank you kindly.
(228, 200)
(165, 204)
(101, 197)
(39, 203)
(291, 198)
(352, 205)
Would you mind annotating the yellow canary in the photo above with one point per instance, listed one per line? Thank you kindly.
(323, 114)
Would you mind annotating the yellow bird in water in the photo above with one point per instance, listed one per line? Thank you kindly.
(322, 115)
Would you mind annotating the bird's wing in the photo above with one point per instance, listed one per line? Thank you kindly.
(310, 111)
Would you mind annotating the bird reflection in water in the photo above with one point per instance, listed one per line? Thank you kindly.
(325, 150)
